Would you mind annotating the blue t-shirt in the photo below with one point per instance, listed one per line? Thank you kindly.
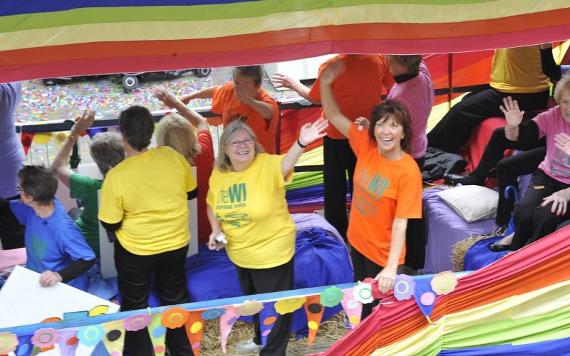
(52, 243)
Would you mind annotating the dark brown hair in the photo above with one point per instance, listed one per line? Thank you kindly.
(399, 113)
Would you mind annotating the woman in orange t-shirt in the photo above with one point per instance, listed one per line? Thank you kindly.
(387, 186)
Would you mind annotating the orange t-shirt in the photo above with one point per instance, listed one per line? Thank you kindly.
(358, 88)
(383, 190)
(226, 104)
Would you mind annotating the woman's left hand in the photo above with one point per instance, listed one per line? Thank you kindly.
(49, 278)
(313, 131)
(559, 201)
(386, 279)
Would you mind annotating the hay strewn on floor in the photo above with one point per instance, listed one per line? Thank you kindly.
(460, 249)
(329, 332)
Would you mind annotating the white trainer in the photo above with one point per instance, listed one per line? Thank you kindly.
(247, 346)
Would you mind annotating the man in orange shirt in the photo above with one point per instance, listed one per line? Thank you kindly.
(357, 90)
(243, 98)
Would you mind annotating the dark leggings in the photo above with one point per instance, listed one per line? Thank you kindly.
(453, 130)
(266, 280)
(533, 221)
(364, 268)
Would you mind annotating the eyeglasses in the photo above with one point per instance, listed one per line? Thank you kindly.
(236, 144)
(18, 188)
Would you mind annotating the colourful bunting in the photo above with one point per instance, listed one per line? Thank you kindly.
(137, 322)
(363, 293)
(68, 342)
(174, 317)
(8, 343)
(157, 333)
(444, 283)
(90, 335)
(194, 330)
(42, 138)
(352, 307)
(267, 319)
(99, 310)
(404, 287)
(26, 138)
(45, 338)
(424, 296)
(25, 347)
(227, 322)
(331, 296)
(114, 339)
(250, 307)
(289, 305)
(314, 311)
(212, 314)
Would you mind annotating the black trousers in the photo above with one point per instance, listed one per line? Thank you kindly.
(339, 160)
(364, 268)
(11, 232)
(533, 221)
(508, 170)
(267, 280)
(416, 237)
(453, 130)
(134, 279)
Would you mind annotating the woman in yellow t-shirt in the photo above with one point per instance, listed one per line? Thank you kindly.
(246, 202)
(387, 186)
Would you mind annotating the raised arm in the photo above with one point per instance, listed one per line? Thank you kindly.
(309, 134)
(328, 101)
(549, 66)
(514, 116)
(200, 122)
(285, 81)
(205, 93)
(246, 96)
(61, 163)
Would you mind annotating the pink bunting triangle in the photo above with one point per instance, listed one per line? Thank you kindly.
(352, 307)
(227, 322)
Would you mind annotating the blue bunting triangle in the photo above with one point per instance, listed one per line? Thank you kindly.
(424, 294)
(25, 346)
(267, 318)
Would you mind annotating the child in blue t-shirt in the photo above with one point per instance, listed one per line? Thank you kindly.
(54, 245)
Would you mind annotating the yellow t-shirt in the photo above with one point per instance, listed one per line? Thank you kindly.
(518, 70)
(251, 208)
(148, 193)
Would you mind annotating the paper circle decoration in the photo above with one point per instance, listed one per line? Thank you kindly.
(404, 287)
(331, 296)
(444, 283)
(427, 298)
(90, 335)
(175, 317)
(363, 293)
(45, 338)
(8, 343)
(99, 310)
(212, 314)
(289, 305)
(250, 307)
(270, 320)
(113, 335)
(137, 322)
(196, 327)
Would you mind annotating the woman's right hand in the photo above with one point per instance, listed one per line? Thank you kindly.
(212, 244)
(164, 95)
(83, 123)
(513, 114)
(284, 81)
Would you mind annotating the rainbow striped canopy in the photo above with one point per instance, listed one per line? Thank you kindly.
(40, 38)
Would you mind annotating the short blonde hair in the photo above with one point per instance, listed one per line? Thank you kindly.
(223, 163)
(562, 86)
(176, 132)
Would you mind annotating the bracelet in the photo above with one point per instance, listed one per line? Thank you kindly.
(300, 144)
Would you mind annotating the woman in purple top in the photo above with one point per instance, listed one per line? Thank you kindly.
(11, 153)
(545, 204)
(11, 161)
(414, 89)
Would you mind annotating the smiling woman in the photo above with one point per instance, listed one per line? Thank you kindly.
(246, 203)
(387, 186)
